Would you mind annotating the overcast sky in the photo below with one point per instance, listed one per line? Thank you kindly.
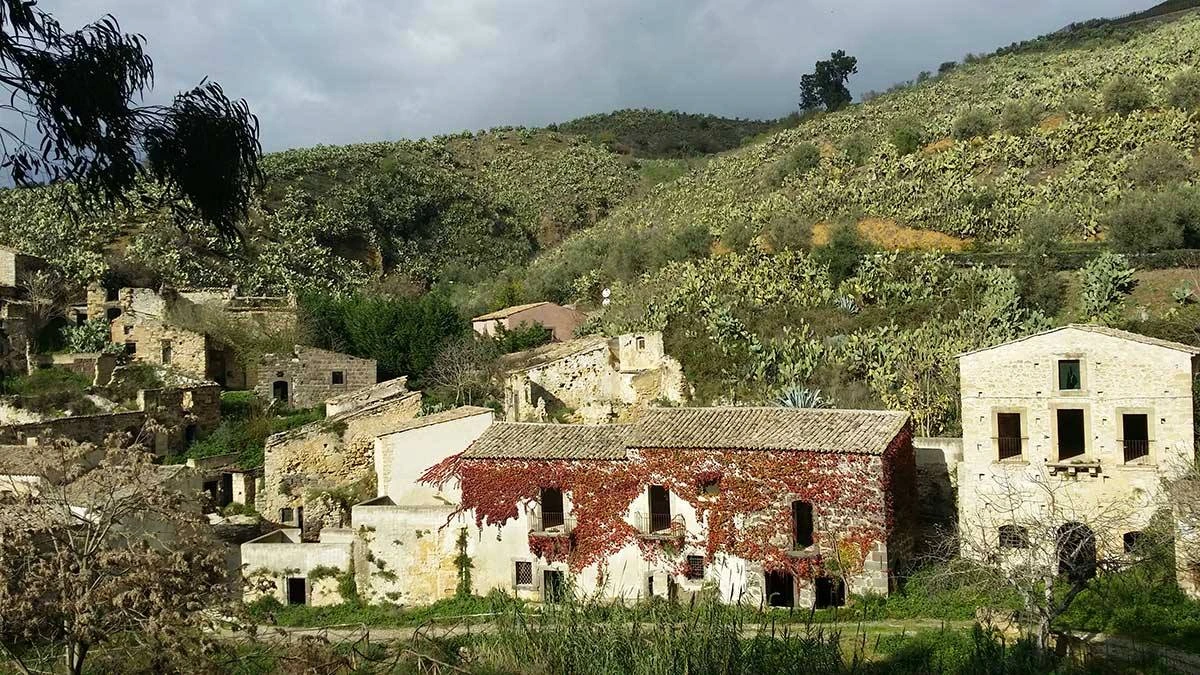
(335, 71)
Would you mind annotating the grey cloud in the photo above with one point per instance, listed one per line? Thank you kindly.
(336, 71)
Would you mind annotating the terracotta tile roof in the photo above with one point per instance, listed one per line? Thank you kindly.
(451, 415)
(508, 311)
(523, 440)
(1099, 330)
(800, 429)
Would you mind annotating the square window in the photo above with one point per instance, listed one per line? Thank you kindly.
(1132, 541)
(1068, 375)
(695, 567)
(641, 344)
(1013, 536)
(338, 377)
(131, 348)
(285, 515)
(523, 573)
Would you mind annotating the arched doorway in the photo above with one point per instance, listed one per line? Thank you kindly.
(279, 391)
(1076, 551)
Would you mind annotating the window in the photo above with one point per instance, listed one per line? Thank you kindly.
(660, 509)
(338, 377)
(1068, 375)
(128, 329)
(551, 501)
(1071, 441)
(300, 517)
(640, 342)
(111, 294)
(297, 591)
(285, 515)
(166, 351)
(523, 574)
(710, 488)
(802, 524)
(1008, 434)
(554, 586)
(1132, 541)
(131, 348)
(1135, 434)
(189, 434)
(828, 592)
(780, 588)
(112, 313)
(695, 567)
(1013, 536)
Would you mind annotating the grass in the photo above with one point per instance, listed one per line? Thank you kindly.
(245, 425)
(51, 391)
(270, 611)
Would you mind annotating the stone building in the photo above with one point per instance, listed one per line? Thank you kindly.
(562, 321)
(16, 268)
(306, 470)
(594, 379)
(1071, 436)
(653, 508)
(306, 376)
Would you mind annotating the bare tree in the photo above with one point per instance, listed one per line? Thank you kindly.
(466, 367)
(103, 547)
(1048, 538)
(45, 300)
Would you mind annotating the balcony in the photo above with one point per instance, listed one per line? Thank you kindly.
(1009, 447)
(1136, 449)
(1075, 466)
(550, 524)
(659, 525)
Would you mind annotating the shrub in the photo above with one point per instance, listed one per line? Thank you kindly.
(1018, 117)
(787, 231)
(738, 236)
(1106, 280)
(1156, 221)
(907, 134)
(972, 123)
(1037, 258)
(1159, 164)
(802, 159)
(1184, 90)
(843, 253)
(128, 380)
(858, 148)
(946, 67)
(51, 391)
(524, 336)
(93, 336)
(239, 404)
(1124, 94)
(1078, 104)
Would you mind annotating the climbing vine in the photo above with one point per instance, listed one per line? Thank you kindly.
(743, 499)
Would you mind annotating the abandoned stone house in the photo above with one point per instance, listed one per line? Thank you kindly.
(16, 268)
(659, 507)
(1081, 428)
(593, 379)
(179, 415)
(562, 321)
(306, 376)
(308, 471)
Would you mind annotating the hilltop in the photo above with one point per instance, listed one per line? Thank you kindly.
(658, 134)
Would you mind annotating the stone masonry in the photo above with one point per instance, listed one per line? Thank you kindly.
(307, 376)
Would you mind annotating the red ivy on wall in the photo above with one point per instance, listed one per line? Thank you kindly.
(744, 497)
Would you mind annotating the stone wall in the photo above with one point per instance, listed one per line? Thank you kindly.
(937, 462)
(96, 367)
(82, 428)
(1118, 376)
(362, 397)
(150, 340)
(335, 452)
(279, 556)
(308, 375)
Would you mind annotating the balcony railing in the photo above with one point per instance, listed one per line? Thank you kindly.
(1009, 447)
(1136, 449)
(659, 524)
(550, 523)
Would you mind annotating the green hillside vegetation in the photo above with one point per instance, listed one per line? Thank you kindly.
(658, 134)
(453, 208)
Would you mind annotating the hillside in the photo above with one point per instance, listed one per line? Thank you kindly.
(658, 134)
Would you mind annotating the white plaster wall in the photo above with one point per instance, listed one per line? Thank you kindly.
(401, 458)
(276, 557)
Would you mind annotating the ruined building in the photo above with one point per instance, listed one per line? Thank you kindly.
(562, 321)
(592, 379)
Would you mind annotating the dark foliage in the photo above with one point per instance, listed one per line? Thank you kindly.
(74, 95)
(657, 134)
(842, 254)
(1146, 222)
(402, 334)
(1037, 260)
(525, 336)
(825, 87)
(907, 134)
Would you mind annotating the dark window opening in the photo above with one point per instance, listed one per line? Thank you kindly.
(127, 329)
(286, 515)
(1132, 541)
(554, 586)
(650, 586)
(297, 593)
(1135, 432)
(1070, 433)
(112, 313)
(226, 489)
(695, 567)
(781, 589)
(1013, 536)
(111, 294)
(338, 377)
(80, 319)
(829, 592)
(523, 573)
(167, 352)
(131, 348)
(212, 489)
(551, 501)
(279, 391)
(710, 488)
(300, 517)
(1076, 552)
(641, 344)
(660, 509)
(189, 434)
(1008, 434)
(802, 524)
(1068, 375)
